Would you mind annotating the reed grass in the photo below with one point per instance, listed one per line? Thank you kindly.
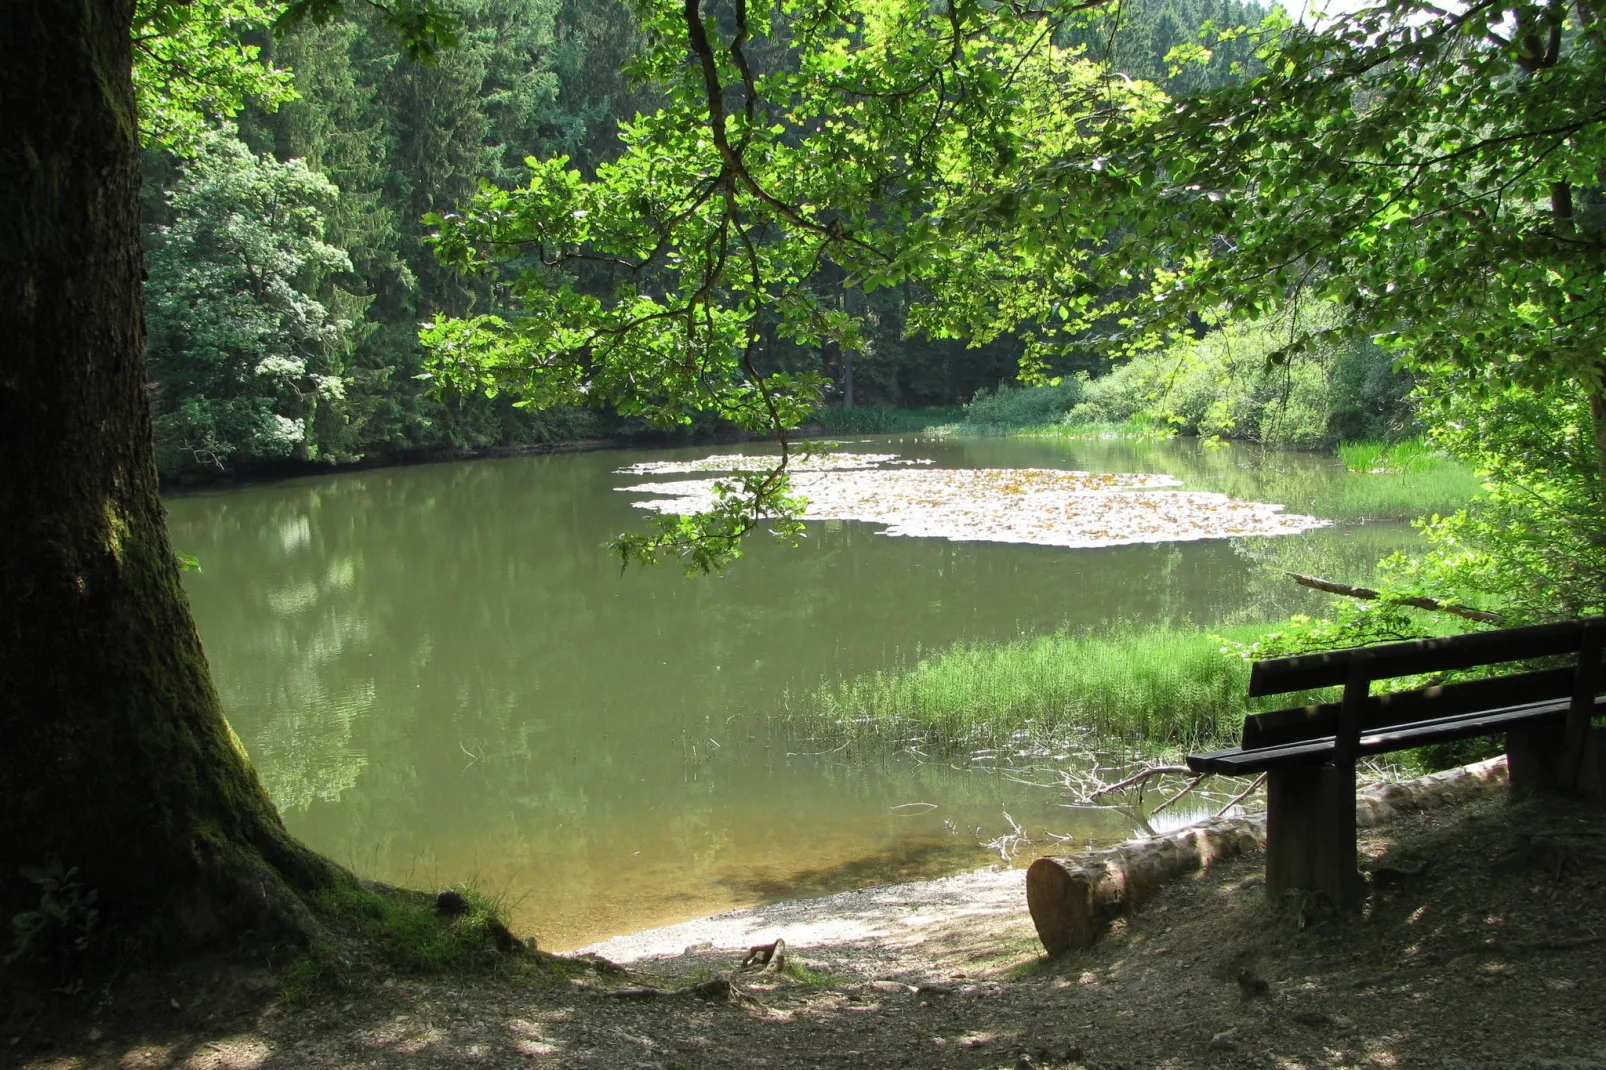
(1393, 458)
(1160, 687)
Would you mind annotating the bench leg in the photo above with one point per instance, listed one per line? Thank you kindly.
(1537, 761)
(1310, 833)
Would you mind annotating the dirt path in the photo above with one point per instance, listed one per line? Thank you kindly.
(1482, 944)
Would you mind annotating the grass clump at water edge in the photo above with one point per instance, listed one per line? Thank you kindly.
(1393, 458)
(1168, 687)
(385, 931)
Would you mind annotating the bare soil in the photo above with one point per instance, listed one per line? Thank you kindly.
(1482, 943)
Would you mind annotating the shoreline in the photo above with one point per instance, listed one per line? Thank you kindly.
(201, 480)
(892, 917)
(882, 926)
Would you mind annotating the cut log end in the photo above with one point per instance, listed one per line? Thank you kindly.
(1073, 900)
(1056, 900)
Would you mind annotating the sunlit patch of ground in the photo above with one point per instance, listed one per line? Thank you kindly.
(1043, 507)
(1480, 946)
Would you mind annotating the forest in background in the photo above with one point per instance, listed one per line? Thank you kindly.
(289, 270)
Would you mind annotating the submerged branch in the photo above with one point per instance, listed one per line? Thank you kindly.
(1138, 778)
(1194, 783)
(1241, 796)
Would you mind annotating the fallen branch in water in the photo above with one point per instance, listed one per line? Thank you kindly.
(1194, 783)
(1368, 594)
(1138, 778)
(1241, 796)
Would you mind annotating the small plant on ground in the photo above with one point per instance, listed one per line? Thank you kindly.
(64, 922)
(800, 971)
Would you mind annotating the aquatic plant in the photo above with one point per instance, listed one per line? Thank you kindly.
(1166, 686)
(1043, 507)
(1393, 458)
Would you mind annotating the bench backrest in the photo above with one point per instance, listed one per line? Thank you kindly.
(1305, 672)
(1358, 667)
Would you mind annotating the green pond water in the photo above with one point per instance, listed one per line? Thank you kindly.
(443, 676)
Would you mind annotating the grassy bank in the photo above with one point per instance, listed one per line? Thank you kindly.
(374, 931)
(1158, 687)
(1067, 429)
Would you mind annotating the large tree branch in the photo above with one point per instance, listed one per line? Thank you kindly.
(1368, 594)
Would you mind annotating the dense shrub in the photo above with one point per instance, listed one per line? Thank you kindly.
(1023, 406)
(1226, 384)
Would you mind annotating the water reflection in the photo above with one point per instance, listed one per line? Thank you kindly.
(443, 675)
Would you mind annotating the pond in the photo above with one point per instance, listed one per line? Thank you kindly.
(443, 676)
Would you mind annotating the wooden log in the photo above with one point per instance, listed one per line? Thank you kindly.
(1073, 900)
(1451, 787)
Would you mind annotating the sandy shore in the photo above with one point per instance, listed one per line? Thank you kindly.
(889, 928)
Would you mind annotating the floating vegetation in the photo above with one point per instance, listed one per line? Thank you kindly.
(1043, 507)
(746, 462)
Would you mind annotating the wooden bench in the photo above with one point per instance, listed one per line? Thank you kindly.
(1308, 753)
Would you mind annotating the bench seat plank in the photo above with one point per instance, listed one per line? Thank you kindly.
(1238, 761)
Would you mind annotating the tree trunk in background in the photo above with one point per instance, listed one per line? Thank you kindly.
(114, 755)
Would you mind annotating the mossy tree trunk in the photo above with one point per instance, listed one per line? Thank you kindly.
(114, 755)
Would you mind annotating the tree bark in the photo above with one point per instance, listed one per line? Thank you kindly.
(114, 755)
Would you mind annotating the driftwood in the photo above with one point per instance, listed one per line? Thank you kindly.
(1241, 796)
(1073, 900)
(1140, 778)
(1368, 594)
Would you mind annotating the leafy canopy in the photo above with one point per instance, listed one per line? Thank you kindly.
(845, 155)
(1433, 172)
(194, 63)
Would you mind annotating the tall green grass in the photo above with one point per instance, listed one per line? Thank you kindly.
(1392, 458)
(1160, 686)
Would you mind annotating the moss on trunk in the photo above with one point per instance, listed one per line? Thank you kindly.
(114, 755)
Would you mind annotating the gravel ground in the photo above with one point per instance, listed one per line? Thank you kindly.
(1482, 943)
